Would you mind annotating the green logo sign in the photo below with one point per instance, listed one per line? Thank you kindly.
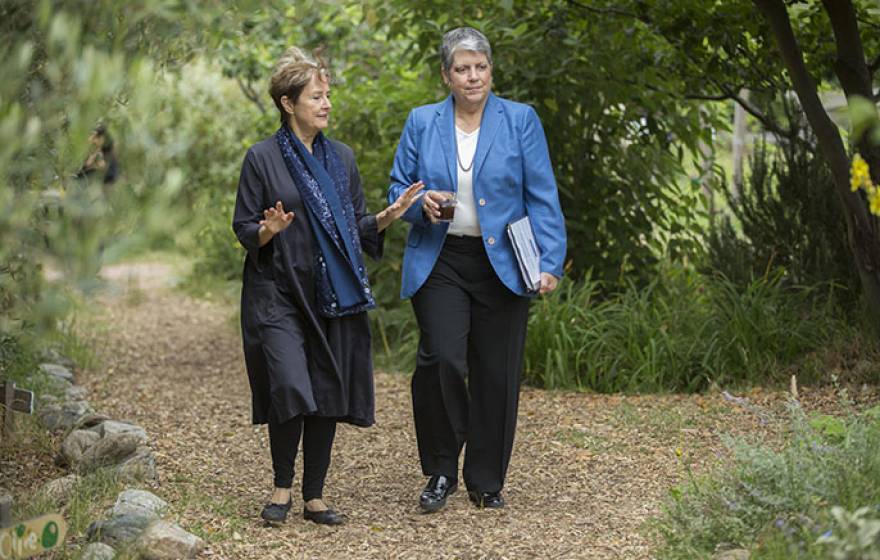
(32, 537)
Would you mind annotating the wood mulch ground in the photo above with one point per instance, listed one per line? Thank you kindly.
(587, 471)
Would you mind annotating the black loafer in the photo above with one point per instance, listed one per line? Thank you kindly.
(434, 495)
(491, 500)
(276, 513)
(325, 517)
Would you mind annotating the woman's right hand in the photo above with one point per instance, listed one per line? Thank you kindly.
(431, 204)
(275, 220)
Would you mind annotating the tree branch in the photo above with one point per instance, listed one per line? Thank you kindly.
(704, 97)
(766, 120)
(249, 92)
(869, 23)
(728, 94)
(726, 91)
(609, 11)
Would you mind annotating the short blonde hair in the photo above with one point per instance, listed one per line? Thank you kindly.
(292, 72)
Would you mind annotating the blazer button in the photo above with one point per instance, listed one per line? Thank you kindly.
(482, 202)
(491, 241)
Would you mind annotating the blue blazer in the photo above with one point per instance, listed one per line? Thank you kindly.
(512, 177)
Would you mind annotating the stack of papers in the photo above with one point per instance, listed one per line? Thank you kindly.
(526, 250)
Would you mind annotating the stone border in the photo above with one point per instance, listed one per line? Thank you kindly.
(94, 441)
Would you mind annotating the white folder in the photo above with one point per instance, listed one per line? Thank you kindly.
(526, 250)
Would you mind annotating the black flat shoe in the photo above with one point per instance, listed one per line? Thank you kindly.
(276, 513)
(325, 517)
(491, 500)
(434, 495)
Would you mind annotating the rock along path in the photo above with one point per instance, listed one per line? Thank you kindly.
(587, 470)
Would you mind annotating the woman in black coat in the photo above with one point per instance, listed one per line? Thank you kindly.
(301, 215)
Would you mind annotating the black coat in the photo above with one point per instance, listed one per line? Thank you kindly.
(298, 362)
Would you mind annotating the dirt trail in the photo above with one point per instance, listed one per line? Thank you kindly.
(587, 471)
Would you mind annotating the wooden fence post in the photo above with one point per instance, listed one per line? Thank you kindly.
(5, 511)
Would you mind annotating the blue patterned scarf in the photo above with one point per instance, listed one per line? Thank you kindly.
(341, 281)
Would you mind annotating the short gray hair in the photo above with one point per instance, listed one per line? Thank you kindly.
(463, 39)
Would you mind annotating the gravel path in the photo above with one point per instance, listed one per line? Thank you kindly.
(587, 470)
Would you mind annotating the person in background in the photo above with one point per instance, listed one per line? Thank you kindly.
(101, 161)
(300, 214)
(469, 299)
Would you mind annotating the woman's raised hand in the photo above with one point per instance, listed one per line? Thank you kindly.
(275, 219)
(399, 206)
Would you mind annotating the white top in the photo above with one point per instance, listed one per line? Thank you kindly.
(465, 221)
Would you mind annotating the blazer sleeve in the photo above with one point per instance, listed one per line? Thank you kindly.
(541, 196)
(372, 240)
(405, 170)
(249, 205)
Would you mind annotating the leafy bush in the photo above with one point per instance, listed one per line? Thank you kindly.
(780, 502)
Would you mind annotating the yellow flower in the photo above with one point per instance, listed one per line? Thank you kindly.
(859, 173)
(874, 202)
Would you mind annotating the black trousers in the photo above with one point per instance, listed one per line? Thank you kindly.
(317, 439)
(466, 385)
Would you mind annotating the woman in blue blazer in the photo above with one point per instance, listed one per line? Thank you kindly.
(491, 156)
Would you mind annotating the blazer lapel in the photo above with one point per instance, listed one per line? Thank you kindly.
(445, 123)
(492, 118)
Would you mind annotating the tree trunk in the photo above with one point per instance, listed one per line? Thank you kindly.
(852, 70)
(862, 228)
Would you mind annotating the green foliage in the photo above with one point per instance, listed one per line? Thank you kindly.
(831, 427)
(865, 119)
(395, 338)
(779, 502)
(199, 100)
(856, 535)
(681, 332)
(790, 219)
(63, 77)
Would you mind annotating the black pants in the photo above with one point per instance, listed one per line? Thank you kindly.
(317, 439)
(466, 385)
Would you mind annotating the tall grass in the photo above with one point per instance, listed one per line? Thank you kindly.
(680, 332)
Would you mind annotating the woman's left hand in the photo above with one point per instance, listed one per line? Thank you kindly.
(548, 283)
(400, 206)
